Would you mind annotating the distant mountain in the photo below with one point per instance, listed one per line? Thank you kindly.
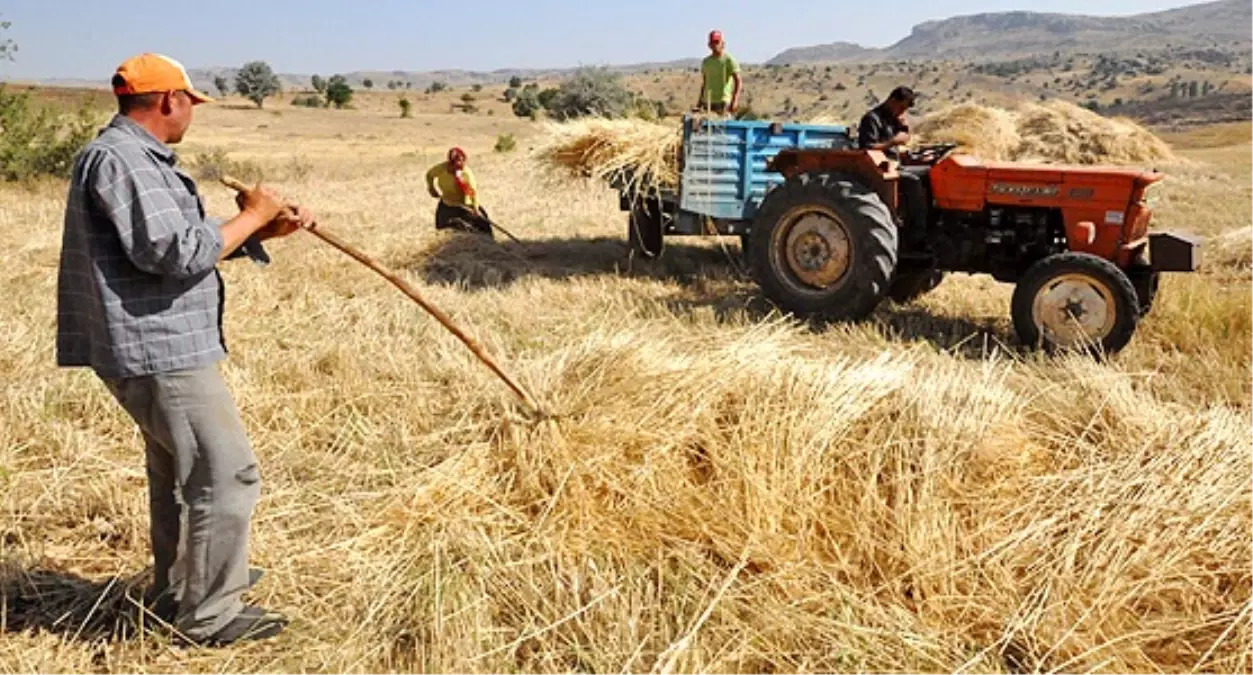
(203, 78)
(1003, 35)
(830, 53)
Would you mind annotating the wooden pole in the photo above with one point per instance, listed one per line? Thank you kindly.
(413, 294)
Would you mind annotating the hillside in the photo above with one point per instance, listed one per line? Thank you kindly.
(1214, 25)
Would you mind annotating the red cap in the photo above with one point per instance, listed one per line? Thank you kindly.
(715, 36)
(456, 153)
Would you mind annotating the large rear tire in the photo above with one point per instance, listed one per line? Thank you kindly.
(824, 244)
(1075, 301)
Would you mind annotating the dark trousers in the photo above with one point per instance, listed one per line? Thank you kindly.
(915, 201)
(447, 217)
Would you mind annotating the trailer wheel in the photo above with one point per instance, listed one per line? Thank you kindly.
(823, 243)
(1075, 301)
(645, 228)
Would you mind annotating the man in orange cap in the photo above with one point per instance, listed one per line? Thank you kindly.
(452, 183)
(140, 301)
(720, 79)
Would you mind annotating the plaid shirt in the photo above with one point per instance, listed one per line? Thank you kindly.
(138, 291)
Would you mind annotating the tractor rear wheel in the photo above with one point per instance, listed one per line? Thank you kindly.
(825, 244)
(1075, 301)
(645, 228)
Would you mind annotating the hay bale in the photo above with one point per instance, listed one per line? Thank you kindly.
(985, 132)
(1056, 132)
(634, 154)
(1062, 132)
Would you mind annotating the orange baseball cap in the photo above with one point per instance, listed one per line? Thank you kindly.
(155, 73)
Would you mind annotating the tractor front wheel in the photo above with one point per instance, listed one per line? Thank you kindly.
(1075, 301)
(823, 244)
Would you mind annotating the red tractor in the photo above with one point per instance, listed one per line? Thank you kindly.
(839, 235)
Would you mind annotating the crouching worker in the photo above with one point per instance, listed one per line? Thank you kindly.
(452, 183)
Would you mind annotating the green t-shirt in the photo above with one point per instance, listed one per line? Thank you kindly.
(717, 72)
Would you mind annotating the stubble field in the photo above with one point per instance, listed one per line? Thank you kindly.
(724, 488)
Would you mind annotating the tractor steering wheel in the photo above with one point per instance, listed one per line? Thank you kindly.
(930, 153)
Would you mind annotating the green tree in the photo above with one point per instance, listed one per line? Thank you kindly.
(255, 81)
(367, 83)
(405, 107)
(319, 84)
(526, 104)
(515, 82)
(467, 98)
(436, 87)
(1193, 86)
(221, 84)
(477, 87)
(590, 91)
(338, 93)
(392, 84)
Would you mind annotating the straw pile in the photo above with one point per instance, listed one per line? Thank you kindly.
(641, 156)
(637, 155)
(1231, 251)
(1054, 132)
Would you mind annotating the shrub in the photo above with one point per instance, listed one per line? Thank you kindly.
(338, 93)
(222, 85)
(367, 83)
(527, 104)
(405, 107)
(40, 142)
(319, 84)
(436, 87)
(255, 81)
(515, 82)
(505, 143)
(590, 91)
(310, 101)
(215, 164)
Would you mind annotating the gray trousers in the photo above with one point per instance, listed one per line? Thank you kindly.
(203, 483)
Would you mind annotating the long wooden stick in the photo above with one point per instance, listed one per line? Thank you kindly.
(410, 291)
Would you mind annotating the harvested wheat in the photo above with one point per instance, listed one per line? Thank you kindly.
(1054, 132)
(637, 155)
(1062, 132)
(989, 133)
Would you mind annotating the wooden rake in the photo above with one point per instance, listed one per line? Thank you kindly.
(413, 294)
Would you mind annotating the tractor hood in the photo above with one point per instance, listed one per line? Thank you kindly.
(1060, 172)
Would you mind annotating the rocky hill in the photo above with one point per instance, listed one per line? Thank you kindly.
(1213, 25)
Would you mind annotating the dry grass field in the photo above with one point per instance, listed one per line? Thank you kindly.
(723, 489)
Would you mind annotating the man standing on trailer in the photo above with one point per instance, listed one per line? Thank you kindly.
(721, 82)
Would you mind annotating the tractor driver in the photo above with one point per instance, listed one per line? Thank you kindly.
(884, 128)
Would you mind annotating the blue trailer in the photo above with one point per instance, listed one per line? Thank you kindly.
(723, 178)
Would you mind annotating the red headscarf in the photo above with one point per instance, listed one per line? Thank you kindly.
(453, 155)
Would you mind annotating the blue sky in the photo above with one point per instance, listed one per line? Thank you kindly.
(87, 38)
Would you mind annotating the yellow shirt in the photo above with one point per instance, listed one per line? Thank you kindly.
(441, 177)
